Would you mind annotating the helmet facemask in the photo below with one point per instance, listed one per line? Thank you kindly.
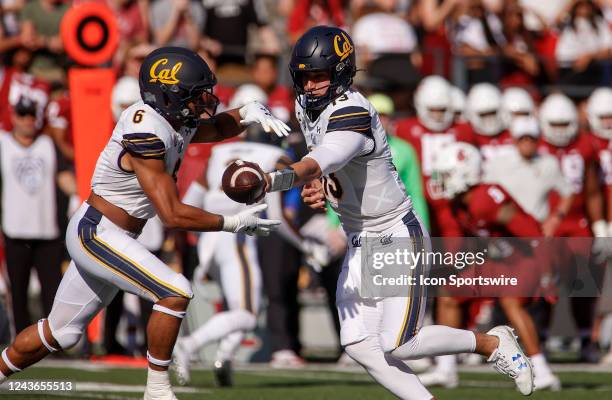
(340, 80)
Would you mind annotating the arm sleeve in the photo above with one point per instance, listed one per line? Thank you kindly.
(338, 148)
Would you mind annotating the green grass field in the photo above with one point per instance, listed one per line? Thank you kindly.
(311, 384)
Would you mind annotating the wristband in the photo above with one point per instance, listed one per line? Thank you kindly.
(282, 180)
(230, 223)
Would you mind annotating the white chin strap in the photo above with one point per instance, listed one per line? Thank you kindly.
(158, 362)
(41, 333)
(166, 310)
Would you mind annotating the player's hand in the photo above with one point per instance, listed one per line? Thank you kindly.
(248, 222)
(313, 196)
(256, 112)
(316, 254)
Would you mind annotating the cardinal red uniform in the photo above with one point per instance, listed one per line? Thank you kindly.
(427, 145)
(489, 146)
(574, 160)
(525, 260)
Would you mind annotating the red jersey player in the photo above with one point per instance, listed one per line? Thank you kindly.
(484, 113)
(577, 156)
(488, 210)
(428, 133)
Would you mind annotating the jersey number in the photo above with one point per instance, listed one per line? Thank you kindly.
(344, 97)
(138, 116)
(331, 187)
(496, 194)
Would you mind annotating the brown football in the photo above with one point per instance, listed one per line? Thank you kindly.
(243, 181)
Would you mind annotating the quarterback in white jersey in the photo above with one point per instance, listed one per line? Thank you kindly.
(349, 164)
(133, 181)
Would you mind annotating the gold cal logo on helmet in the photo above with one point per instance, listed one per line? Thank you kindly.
(346, 49)
(164, 75)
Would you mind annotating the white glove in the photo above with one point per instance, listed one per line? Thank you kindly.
(256, 112)
(316, 254)
(248, 222)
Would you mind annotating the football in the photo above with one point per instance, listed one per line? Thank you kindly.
(243, 181)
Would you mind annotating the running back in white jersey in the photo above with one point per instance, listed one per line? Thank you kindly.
(366, 193)
(222, 155)
(143, 132)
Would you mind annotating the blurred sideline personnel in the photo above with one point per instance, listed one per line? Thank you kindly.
(349, 151)
(487, 210)
(133, 181)
(31, 170)
(235, 255)
(524, 168)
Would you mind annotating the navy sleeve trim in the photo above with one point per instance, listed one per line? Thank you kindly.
(144, 145)
(351, 118)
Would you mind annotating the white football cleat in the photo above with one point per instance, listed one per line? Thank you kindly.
(437, 377)
(547, 381)
(509, 359)
(181, 359)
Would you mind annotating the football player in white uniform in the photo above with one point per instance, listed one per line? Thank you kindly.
(133, 181)
(234, 255)
(349, 152)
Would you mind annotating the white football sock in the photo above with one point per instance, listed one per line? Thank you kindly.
(387, 370)
(436, 340)
(219, 326)
(540, 365)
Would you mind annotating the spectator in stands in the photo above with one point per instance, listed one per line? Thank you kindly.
(40, 26)
(387, 45)
(584, 39)
(31, 169)
(476, 34)
(133, 21)
(16, 82)
(308, 13)
(9, 24)
(10, 16)
(177, 22)
(520, 65)
(226, 27)
(265, 75)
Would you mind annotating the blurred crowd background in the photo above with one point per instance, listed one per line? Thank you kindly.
(544, 47)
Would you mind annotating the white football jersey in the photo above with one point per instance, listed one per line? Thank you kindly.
(222, 155)
(141, 131)
(367, 193)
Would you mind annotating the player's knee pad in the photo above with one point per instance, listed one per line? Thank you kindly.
(248, 320)
(43, 339)
(364, 351)
(388, 341)
(67, 336)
